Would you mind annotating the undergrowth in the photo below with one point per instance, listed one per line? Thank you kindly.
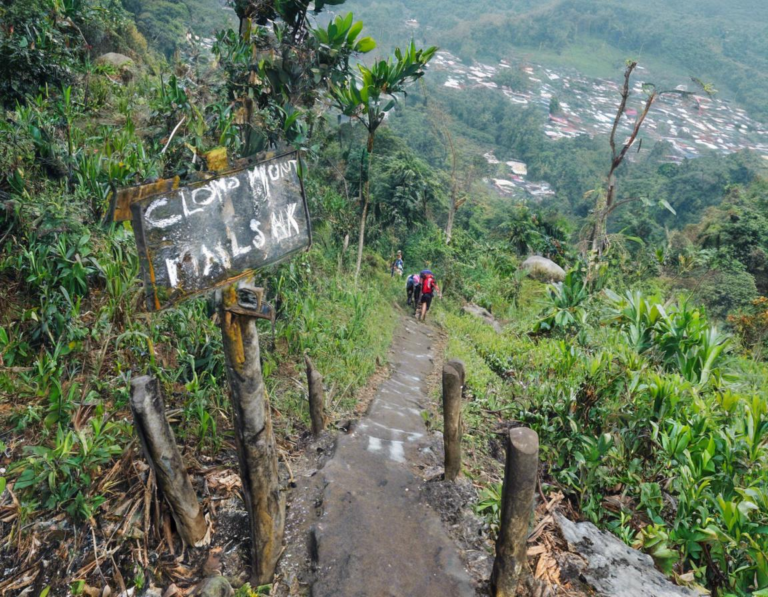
(646, 422)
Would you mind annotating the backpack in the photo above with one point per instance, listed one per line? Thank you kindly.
(427, 285)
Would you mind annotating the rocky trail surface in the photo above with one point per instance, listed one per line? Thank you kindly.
(364, 522)
(372, 532)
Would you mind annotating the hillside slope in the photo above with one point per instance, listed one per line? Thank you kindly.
(726, 44)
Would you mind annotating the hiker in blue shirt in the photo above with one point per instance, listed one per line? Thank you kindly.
(398, 266)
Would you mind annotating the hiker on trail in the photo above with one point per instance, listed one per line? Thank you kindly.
(413, 289)
(398, 265)
(428, 290)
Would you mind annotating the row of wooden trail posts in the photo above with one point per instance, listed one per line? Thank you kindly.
(258, 459)
(520, 476)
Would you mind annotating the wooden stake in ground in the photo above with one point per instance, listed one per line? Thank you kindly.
(316, 397)
(253, 434)
(159, 446)
(453, 382)
(520, 474)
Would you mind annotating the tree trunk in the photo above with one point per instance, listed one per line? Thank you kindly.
(602, 209)
(316, 397)
(453, 382)
(344, 247)
(159, 447)
(253, 435)
(361, 238)
(363, 217)
(520, 475)
(451, 215)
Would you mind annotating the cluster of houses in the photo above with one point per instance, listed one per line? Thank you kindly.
(689, 121)
(515, 180)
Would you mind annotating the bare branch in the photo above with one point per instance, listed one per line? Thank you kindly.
(176, 128)
(610, 209)
(639, 123)
(622, 106)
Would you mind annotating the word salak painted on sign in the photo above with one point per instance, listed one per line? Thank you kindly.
(200, 237)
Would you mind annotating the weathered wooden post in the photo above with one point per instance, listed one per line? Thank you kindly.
(159, 446)
(453, 383)
(316, 397)
(520, 475)
(253, 433)
(207, 235)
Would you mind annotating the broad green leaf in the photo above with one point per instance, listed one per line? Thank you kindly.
(664, 203)
(346, 23)
(354, 31)
(366, 44)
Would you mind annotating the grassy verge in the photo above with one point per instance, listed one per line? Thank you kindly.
(72, 336)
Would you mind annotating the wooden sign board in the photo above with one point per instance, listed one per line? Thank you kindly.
(122, 199)
(203, 236)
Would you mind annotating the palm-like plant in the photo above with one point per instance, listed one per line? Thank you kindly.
(369, 98)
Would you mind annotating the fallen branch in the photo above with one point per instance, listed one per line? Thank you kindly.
(176, 128)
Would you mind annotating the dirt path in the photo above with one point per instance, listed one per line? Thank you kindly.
(375, 535)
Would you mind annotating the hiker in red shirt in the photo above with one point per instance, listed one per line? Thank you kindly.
(428, 290)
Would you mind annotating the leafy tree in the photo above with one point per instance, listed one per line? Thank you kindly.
(278, 67)
(514, 78)
(606, 199)
(726, 290)
(371, 98)
(404, 188)
(554, 106)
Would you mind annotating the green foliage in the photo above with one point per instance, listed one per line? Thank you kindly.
(247, 591)
(37, 47)
(514, 78)
(655, 542)
(565, 305)
(375, 94)
(165, 23)
(644, 408)
(533, 233)
(278, 67)
(681, 335)
(488, 505)
(57, 477)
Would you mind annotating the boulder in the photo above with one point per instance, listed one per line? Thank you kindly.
(612, 568)
(543, 269)
(120, 62)
(114, 59)
(214, 586)
(483, 314)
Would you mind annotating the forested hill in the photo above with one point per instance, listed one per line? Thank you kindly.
(722, 43)
(165, 23)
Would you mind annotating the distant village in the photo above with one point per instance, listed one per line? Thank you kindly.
(691, 123)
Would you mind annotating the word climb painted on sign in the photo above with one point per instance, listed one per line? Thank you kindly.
(200, 237)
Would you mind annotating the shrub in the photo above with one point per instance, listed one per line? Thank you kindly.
(726, 291)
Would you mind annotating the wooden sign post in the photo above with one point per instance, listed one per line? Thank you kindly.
(214, 234)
